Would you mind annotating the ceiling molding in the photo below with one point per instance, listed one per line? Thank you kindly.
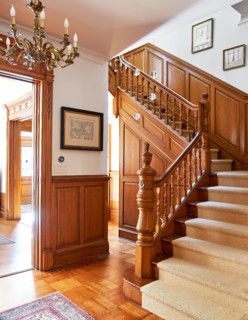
(242, 8)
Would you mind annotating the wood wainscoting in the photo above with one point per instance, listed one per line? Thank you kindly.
(2, 205)
(229, 106)
(79, 218)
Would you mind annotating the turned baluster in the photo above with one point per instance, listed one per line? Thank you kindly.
(185, 177)
(132, 83)
(172, 195)
(142, 90)
(167, 108)
(160, 104)
(190, 169)
(200, 157)
(154, 100)
(127, 79)
(173, 118)
(195, 162)
(148, 93)
(146, 201)
(204, 109)
(137, 88)
(180, 118)
(188, 124)
(178, 185)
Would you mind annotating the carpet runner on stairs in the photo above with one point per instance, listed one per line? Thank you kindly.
(207, 277)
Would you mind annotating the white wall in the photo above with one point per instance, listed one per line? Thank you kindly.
(3, 148)
(227, 34)
(83, 85)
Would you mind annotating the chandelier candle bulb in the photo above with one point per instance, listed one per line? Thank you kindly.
(66, 25)
(75, 39)
(42, 18)
(12, 14)
(8, 43)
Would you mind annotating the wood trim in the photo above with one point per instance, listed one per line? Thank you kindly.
(2, 205)
(42, 128)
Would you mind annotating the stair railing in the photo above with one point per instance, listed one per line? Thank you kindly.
(174, 110)
(159, 199)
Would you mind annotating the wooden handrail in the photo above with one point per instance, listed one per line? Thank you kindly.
(159, 84)
(158, 199)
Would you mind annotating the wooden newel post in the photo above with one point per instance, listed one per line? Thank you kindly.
(204, 108)
(146, 199)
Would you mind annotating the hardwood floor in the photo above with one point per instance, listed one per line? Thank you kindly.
(15, 257)
(96, 287)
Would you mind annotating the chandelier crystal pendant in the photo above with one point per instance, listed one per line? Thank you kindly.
(20, 50)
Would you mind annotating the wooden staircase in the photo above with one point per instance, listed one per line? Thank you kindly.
(192, 224)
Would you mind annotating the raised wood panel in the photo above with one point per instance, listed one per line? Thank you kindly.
(156, 63)
(68, 211)
(227, 118)
(130, 209)
(196, 88)
(26, 190)
(131, 158)
(139, 59)
(158, 163)
(114, 196)
(79, 218)
(94, 212)
(153, 129)
(176, 79)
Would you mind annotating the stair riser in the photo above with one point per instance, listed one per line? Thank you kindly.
(233, 182)
(221, 294)
(162, 310)
(229, 197)
(218, 167)
(211, 261)
(222, 215)
(217, 237)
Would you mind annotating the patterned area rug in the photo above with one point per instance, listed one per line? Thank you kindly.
(4, 240)
(52, 307)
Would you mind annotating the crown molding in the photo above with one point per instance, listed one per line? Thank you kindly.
(242, 8)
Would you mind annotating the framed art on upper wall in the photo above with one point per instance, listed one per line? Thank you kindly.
(203, 36)
(81, 129)
(234, 58)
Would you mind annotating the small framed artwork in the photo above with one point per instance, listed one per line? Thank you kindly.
(81, 129)
(203, 36)
(234, 57)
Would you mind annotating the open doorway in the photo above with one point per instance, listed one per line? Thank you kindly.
(16, 145)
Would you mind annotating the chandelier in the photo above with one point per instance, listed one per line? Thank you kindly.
(20, 50)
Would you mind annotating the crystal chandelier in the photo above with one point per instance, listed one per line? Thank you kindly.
(20, 50)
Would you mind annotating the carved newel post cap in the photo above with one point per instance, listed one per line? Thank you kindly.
(204, 97)
(146, 162)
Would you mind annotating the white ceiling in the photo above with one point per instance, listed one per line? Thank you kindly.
(107, 27)
(104, 26)
(11, 89)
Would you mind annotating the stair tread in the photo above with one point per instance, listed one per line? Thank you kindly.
(234, 174)
(218, 280)
(222, 160)
(228, 189)
(191, 302)
(209, 248)
(240, 208)
(219, 226)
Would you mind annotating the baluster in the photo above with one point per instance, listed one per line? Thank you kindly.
(180, 118)
(142, 90)
(148, 93)
(195, 162)
(160, 103)
(173, 117)
(146, 200)
(204, 112)
(167, 108)
(137, 88)
(154, 101)
(190, 170)
(158, 209)
(200, 157)
(172, 196)
(196, 120)
(127, 79)
(178, 185)
(132, 83)
(185, 177)
(188, 123)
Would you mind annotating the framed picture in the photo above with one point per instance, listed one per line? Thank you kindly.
(203, 35)
(234, 57)
(81, 129)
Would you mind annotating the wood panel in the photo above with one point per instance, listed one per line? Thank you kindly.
(26, 190)
(80, 216)
(131, 160)
(230, 135)
(156, 63)
(2, 205)
(176, 79)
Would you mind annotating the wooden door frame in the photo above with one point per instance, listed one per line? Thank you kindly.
(42, 166)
